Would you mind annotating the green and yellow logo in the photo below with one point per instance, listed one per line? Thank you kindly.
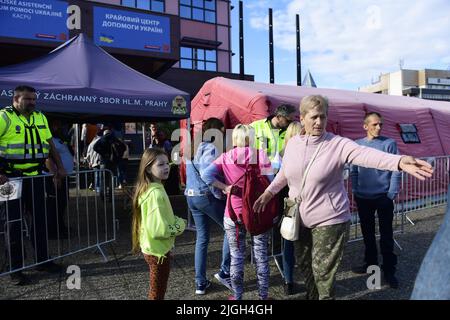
(179, 105)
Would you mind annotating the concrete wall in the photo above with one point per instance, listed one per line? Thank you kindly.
(410, 78)
(172, 7)
(395, 84)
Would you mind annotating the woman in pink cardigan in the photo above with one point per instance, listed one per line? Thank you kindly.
(324, 207)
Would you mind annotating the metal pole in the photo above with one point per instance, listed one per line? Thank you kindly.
(271, 66)
(299, 57)
(77, 154)
(143, 136)
(187, 146)
(241, 41)
(77, 151)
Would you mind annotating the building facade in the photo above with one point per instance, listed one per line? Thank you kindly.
(426, 84)
(182, 43)
(188, 41)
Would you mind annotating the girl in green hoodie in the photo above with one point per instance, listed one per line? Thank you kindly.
(154, 225)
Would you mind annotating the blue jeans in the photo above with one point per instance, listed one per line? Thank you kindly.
(288, 260)
(206, 208)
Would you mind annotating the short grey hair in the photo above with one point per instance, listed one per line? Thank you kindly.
(285, 110)
(312, 102)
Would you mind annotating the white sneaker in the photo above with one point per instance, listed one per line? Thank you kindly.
(202, 289)
(225, 281)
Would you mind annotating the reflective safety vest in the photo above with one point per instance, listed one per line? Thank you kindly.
(268, 139)
(23, 144)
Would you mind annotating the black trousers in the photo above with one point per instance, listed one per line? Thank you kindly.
(56, 206)
(32, 203)
(385, 210)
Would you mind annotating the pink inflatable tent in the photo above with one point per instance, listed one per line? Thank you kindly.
(236, 101)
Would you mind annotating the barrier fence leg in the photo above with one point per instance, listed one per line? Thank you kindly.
(279, 265)
(105, 258)
(409, 220)
(277, 249)
(397, 244)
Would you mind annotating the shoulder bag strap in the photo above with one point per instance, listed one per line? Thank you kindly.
(198, 173)
(307, 169)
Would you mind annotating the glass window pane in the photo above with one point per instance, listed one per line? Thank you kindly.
(210, 16)
(211, 66)
(187, 2)
(185, 12)
(157, 6)
(200, 54)
(200, 65)
(197, 3)
(198, 14)
(210, 4)
(129, 3)
(187, 64)
(186, 52)
(143, 4)
(210, 55)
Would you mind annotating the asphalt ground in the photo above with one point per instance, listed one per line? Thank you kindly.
(125, 276)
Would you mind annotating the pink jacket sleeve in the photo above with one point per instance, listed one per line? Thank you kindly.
(368, 157)
(279, 182)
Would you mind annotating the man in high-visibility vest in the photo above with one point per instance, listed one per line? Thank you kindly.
(270, 132)
(25, 144)
(269, 136)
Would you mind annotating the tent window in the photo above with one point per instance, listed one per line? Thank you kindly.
(409, 133)
(200, 10)
(152, 5)
(198, 59)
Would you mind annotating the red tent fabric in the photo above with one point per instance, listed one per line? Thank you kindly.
(237, 101)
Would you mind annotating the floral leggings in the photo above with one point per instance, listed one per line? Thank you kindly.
(260, 254)
(159, 276)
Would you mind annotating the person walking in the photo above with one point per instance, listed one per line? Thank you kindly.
(231, 166)
(207, 204)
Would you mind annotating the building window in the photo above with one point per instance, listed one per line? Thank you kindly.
(198, 59)
(152, 5)
(200, 10)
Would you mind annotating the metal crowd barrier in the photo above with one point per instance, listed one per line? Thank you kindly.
(48, 222)
(430, 193)
(414, 195)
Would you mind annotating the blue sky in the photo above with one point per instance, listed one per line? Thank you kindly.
(345, 43)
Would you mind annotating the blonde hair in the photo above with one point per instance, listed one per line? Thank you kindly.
(242, 135)
(144, 178)
(293, 129)
(312, 102)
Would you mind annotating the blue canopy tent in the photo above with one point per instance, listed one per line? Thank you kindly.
(81, 81)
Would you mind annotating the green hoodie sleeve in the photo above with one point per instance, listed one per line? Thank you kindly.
(160, 222)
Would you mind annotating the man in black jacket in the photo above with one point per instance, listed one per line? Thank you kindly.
(110, 149)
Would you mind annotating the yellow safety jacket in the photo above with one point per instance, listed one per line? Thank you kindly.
(23, 143)
(268, 139)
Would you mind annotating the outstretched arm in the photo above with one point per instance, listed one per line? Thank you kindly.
(416, 167)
